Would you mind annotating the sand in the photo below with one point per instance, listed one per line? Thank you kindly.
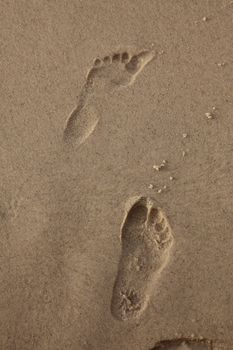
(108, 106)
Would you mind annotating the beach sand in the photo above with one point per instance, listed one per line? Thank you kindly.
(116, 175)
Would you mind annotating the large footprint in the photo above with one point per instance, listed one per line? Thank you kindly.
(107, 74)
(184, 344)
(146, 239)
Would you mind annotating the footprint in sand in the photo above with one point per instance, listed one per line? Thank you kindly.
(106, 75)
(184, 344)
(146, 239)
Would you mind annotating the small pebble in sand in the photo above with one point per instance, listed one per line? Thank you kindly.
(164, 187)
(161, 52)
(151, 186)
(214, 108)
(184, 135)
(159, 167)
(160, 190)
(221, 64)
(205, 19)
(183, 153)
(209, 115)
(171, 178)
(156, 167)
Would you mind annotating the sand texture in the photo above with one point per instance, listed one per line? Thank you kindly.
(116, 177)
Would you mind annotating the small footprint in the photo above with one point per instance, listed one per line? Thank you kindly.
(146, 240)
(184, 344)
(107, 74)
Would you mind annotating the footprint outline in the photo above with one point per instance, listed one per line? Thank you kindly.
(138, 243)
(118, 70)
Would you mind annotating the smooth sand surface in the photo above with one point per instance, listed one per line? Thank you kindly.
(63, 203)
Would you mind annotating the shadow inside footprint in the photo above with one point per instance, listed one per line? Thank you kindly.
(137, 215)
(80, 126)
(139, 61)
